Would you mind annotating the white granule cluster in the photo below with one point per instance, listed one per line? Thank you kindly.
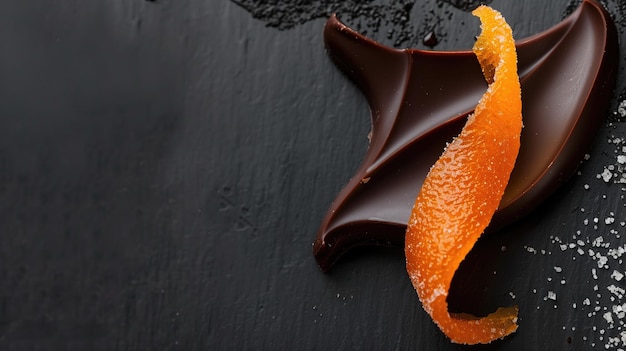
(597, 250)
(606, 175)
(615, 172)
(551, 295)
(608, 302)
(621, 109)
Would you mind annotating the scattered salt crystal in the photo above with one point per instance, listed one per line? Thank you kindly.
(621, 108)
(608, 317)
(617, 275)
(602, 260)
(616, 290)
(551, 295)
(619, 311)
(558, 269)
(606, 175)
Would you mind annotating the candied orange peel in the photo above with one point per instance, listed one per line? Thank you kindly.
(464, 188)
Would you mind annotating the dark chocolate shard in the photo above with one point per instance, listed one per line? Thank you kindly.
(419, 101)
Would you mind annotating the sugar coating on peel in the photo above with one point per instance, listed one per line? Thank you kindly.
(464, 188)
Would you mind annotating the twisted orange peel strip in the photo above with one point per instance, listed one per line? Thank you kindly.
(464, 188)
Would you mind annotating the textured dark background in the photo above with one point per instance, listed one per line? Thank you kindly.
(164, 166)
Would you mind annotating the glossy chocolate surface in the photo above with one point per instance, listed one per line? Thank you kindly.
(419, 101)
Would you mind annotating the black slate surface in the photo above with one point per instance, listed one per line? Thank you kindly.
(164, 166)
